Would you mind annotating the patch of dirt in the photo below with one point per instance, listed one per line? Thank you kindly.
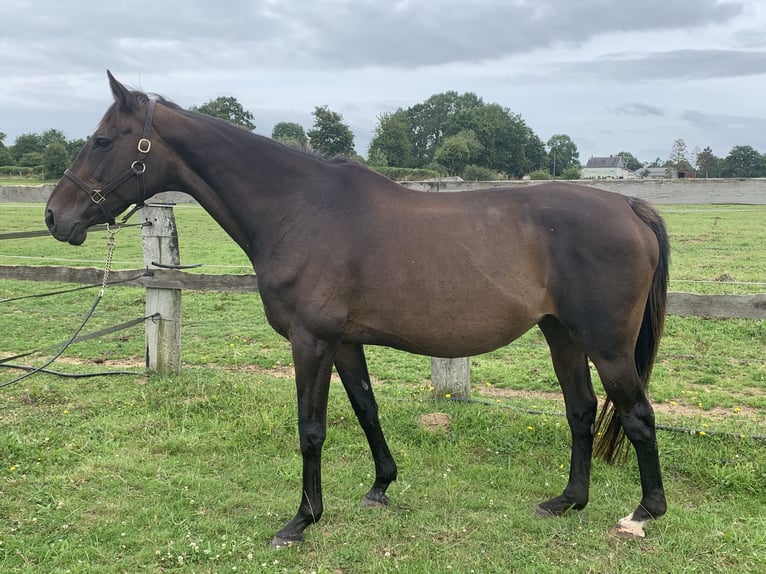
(724, 278)
(436, 422)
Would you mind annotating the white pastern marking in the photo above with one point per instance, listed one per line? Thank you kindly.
(629, 527)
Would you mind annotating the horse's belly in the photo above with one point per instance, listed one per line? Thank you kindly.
(469, 327)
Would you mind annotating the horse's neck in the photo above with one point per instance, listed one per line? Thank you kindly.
(248, 189)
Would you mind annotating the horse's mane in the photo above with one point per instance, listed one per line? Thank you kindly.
(301, 149)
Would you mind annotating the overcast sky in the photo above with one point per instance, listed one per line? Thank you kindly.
(613, 75)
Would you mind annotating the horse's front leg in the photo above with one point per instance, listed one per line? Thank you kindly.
(313, 364)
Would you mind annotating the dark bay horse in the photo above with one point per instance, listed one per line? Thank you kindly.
(345, 258)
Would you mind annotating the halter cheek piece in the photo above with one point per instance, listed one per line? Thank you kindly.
(137, 168)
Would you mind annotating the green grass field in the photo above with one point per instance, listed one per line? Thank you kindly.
(195, 472)
(22, 181)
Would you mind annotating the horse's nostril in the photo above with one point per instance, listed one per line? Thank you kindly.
(49, 219)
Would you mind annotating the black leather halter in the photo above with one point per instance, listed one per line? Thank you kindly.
(137, 168)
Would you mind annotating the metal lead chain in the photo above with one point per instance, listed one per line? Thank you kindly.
(109, 255)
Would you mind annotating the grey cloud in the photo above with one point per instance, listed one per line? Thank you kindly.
(638, 109)
(691, 64)
(343, 33)
(749, 38)
(701, 120)
(447, 31)
(722, 122)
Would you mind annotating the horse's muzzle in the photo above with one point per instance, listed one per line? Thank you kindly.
(74, 233)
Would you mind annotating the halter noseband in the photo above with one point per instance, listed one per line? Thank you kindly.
(137, 168)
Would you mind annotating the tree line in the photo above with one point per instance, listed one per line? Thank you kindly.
(449, 134)
(44, 155)
(741, 161)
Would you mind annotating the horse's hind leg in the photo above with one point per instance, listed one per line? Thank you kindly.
(352, 368)
(624, 388)
(571, 366)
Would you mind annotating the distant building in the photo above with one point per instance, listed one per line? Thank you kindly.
(612, 167)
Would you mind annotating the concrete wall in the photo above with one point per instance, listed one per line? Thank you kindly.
(22, 194)
(40, 193)
(657, 191)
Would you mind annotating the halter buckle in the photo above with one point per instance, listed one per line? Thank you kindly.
(144, 145)
(97, 197)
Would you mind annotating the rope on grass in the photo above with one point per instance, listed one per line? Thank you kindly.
(64, 345)
(68, 375)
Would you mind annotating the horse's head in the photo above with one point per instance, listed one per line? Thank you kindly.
(116, 168)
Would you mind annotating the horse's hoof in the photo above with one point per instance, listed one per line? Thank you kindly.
(278, 542)
(370, 502)
(556, 507)
(629, 529)
(541, 512)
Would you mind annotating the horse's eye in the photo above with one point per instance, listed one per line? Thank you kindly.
(102, 143)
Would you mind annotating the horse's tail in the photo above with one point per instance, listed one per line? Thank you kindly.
(611, 445)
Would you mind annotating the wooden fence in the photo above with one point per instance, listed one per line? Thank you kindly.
(164, 287)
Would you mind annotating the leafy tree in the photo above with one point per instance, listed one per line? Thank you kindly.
(659, 162)
(34, 151)
(52, 136)
(330, 135)
(290, 133)
(539, 174)
(503, 135)
(457, 151)
(678, 158)
(630, 161)
(377, 158)
(26, 144)
(508, 145)
(74, 147)
(678, 152)
(572, 172)
(563, 153)
(227, 108)
(475, 172)
(535, 157)
(31, 159)
(708, 165)
(428, 121)
(743, 161)
(391, 140)
(56, 159)
(5, 155)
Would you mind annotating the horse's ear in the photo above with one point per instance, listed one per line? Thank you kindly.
(126, 100)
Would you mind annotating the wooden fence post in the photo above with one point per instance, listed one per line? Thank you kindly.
(451, 377)
(159, 239)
